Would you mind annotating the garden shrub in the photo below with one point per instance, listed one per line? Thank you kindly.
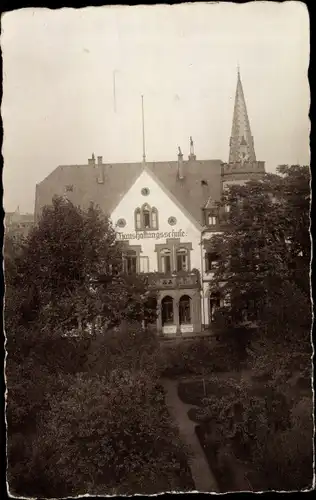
(192, 392)
(197, 358)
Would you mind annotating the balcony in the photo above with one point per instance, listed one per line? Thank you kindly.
(176, 280)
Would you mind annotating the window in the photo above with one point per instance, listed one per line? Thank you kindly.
(212, 220)
(144, 264)
(185, 310)
(146, 218)
(182, 260)
(211, 261)
(227, 208)
(173, 256)
(138, 224)
(215, 303)
(167, 310)
(130, 262)
(154, 218)
(165, 256)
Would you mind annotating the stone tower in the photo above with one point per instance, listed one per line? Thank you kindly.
(242, 164)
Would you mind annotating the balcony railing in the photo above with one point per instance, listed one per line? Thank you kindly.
(177, 280)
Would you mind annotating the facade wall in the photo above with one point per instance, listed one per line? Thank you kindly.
(182, 233)
(183, 230)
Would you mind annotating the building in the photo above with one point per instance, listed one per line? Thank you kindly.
(165, 213)
(18, 224)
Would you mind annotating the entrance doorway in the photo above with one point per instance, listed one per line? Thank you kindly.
(167, 316)
(185, 310)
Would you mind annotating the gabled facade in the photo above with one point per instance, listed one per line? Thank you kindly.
(164, 213)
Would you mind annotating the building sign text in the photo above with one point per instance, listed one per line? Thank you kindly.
(156, 235)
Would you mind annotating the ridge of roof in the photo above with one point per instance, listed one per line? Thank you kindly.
(173, 198)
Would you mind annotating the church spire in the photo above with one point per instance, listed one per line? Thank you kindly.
(241, 141)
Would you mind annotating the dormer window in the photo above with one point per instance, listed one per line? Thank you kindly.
(212, 220)
(227, 208)
(146, 218)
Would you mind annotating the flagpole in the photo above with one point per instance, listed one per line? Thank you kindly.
(143, 126)
(114, 91)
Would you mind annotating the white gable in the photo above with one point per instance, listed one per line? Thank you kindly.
(184, 228)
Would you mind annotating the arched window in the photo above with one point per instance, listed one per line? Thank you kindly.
(182, 259)
(185, 310)
(138, 223)
(146, 218)
(165, 256)
(154, 218)
(167, 310)
(146, 212)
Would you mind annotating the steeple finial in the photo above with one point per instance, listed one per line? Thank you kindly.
(241, 141)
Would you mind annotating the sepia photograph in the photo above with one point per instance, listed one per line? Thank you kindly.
(157, 250)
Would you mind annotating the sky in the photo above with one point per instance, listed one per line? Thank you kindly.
(59, 68)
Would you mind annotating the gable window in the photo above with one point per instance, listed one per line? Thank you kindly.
(146, 217)
(154, 218)
(211, 261)
(138, 222)
(182, 259)
(165, 256)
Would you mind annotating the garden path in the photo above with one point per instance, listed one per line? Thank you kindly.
(202, 475)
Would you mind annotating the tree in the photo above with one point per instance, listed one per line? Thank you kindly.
(69, 271)
(265, 250)
(102, 434)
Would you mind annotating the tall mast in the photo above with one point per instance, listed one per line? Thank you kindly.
(143, 126)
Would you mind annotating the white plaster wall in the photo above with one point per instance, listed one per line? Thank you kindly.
(166, 208)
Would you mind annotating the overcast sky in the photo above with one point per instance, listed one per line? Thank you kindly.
(58, 104)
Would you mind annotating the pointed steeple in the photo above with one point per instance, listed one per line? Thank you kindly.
(241, 141)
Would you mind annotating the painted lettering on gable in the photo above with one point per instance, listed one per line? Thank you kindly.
(156, 235)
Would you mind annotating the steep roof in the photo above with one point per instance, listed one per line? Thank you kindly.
(202, 180)
(241, 141)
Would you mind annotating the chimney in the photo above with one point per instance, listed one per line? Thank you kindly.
(100, 170)
(180, 164)
(91, 161)
(192, 156)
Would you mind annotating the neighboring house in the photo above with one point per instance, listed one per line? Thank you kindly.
(165, 213)
(17, 223)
